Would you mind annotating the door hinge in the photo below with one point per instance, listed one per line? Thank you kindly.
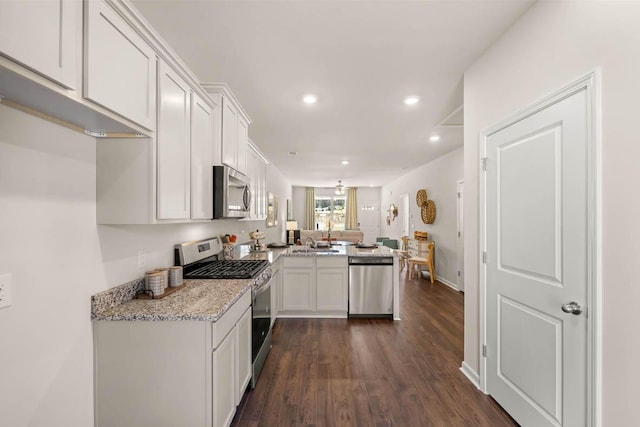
(458, 234)
(484, 163)
(458, 194)
(484, 351)
(484, 257)
(458, 273)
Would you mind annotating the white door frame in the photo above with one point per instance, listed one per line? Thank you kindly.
(406, 222)
(460, 234)
(590, 83)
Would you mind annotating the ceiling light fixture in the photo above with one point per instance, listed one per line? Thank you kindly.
(293, 153)
(434, 138)
(340, 189)
(310, 99)
(411, 100)
(345, 162)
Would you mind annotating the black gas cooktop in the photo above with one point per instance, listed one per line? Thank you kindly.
(225, 269)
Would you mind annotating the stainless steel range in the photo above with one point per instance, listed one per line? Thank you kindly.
(202, 260)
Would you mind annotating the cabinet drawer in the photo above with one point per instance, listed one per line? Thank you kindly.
(299, 262)
(412, 252)
(330, 261)
(221, 328)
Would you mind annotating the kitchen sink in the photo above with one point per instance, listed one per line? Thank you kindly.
(320, 250)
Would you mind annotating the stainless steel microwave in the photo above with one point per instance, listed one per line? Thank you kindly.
(231, 193)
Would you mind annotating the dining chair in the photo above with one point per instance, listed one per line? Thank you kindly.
(403, 252)
(415, 262)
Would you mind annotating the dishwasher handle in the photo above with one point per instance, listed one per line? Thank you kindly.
(370, 260)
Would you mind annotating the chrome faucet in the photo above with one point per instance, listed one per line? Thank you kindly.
(309, 242)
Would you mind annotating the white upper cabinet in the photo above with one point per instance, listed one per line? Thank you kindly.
(41, 35)
(202, 152)
(242, 142)
(173, 145)
(235, 128)
(257, 172)
(229, 133)
(120, 67)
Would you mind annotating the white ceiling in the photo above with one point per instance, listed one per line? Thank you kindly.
(361, 58)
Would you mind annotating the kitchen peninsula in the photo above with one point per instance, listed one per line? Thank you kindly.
(186, 359)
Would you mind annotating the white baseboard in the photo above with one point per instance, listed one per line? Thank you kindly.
(470, 374)
(448, 283)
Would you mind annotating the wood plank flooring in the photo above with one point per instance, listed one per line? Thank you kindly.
(365, 372)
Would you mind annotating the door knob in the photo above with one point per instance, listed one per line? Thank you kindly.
(572, 308)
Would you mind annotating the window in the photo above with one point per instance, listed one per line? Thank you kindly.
(330, 209)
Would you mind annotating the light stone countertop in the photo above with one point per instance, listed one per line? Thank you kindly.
(202, 300)
(207, 300)
(342, 250)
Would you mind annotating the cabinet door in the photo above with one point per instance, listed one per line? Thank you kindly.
(42, 36)
(262, 202)
(332, 289)
(275, 295)
(229, 133)
(243, 345)
(173, 145)
(201, 159)
(242, 145)
(224, 373)
(120, 67)
(298, 289)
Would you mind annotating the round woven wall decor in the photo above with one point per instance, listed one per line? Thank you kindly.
(421, 197)
(428, 212)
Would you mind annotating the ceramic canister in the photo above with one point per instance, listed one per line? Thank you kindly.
(154, 281)
(175, 277)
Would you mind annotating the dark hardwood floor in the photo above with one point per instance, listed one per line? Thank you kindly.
(364, 372)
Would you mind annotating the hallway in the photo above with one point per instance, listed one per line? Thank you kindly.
(365, 372)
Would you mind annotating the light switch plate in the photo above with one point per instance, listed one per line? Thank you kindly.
(5, 290)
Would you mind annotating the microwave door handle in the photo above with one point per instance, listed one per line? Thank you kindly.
(246, 198)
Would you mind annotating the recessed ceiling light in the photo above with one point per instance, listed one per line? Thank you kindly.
(293, 153)
(345, 162)
(310, 98)
(434, 138)
(411, 100)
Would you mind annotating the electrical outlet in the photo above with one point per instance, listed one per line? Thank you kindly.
(142, 258)
(5, 290)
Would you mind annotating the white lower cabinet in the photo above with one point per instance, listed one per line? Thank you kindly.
(172, 373)
(224, 372)
(314, 286)
(243, 346)
(276, 289)
(332, 285)
(298, 284)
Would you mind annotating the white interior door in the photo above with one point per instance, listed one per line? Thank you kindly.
(536, 189)
(369, 219)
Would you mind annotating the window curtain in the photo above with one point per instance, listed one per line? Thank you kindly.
(309, 208)
(351, 221)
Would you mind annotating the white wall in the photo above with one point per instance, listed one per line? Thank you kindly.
(59, 257)
(439, 178)
(552, 45)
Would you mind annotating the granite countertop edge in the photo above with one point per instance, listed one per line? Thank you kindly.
(180, 306)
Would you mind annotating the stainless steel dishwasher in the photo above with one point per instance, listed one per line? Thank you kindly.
(370, 286)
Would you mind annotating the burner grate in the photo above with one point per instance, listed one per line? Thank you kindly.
(227, 269)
